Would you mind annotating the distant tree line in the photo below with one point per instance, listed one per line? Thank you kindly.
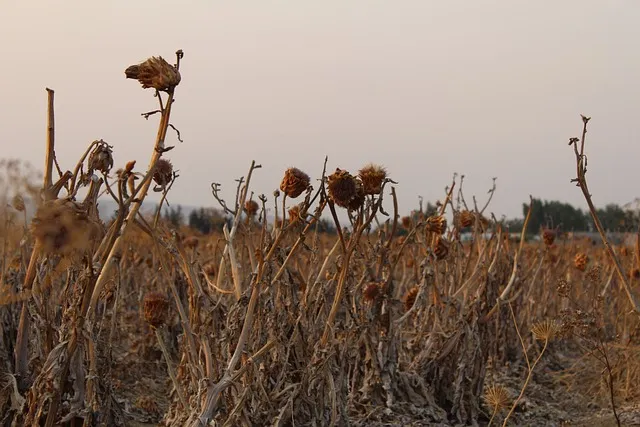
(565, 217)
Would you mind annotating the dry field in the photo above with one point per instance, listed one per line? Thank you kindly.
(394, 320)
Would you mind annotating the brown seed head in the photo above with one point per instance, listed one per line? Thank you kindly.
(563, 288)
(344, 190)
(155, 307)
(548, 236)
(63, 227)
(580, 261)
(410, 298)
(251, 208)
(294, 183)
(371, 291)
(441, 249)
(18, 203)
(372, 177)
(155, 73)
(437, 224)
(101, 158)
(466, 219)
(163, 173)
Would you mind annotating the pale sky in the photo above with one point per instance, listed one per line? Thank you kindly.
(425, 88)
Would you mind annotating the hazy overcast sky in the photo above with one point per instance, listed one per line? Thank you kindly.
(425, 88)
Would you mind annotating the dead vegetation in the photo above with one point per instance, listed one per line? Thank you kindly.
(393, 320)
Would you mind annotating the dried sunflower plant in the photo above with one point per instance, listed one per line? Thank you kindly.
(318, 304)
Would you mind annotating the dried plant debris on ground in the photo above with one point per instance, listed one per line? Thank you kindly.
(316, 305)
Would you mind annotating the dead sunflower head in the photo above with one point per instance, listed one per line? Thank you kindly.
(371, 291)
(372, 177)
(437, 224)
(251, 208)
(155, 73)
(163, 173)
(155, 307)
(101, 158)
(410, 298)
(294, 182)
(344, 190)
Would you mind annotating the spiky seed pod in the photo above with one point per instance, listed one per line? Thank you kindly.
(437, 224)
(466, 219)
(371, 291)
(372, 177)
(545, 330)
(342, 188)
(155, 73)
(63, 227)
(406, 222)
(580, 261)
(163, 173)
(101, 158)
(251, 208)
(155, 307)
(18, 203)
(548, 236)
(635, 273)
(190, 242)
(294, 182)
(496, 397)
(410, 298)
(441, 249)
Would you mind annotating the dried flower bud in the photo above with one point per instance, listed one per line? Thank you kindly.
(18, 203)
(294, 183)
(155, 307)
(548, 236)
(580, 261)
(251, 207)
(437, 224)
(371, 291)
(155, 73)
(410, 298)
(101, 158)
(441, 248)
(343, 189)
(372, 177)
(129, 167)
(163, 173)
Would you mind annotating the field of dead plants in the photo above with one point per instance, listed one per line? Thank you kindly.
(391, 320)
